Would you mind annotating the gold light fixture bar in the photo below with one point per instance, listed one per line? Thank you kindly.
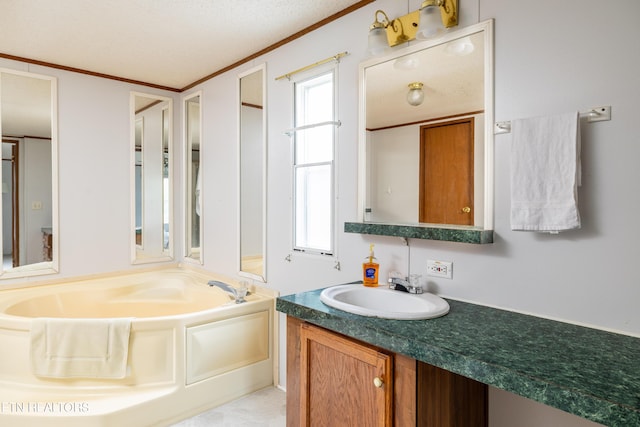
(404, 28)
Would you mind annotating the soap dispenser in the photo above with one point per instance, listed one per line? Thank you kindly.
(370, 269)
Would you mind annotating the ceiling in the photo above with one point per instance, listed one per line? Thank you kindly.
(26, 106)
(174, 43)
(169, 43)
(452, 74)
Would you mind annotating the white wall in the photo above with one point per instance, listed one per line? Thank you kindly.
(561, 68)
(550, 57)
(94, 158)
(393, 173)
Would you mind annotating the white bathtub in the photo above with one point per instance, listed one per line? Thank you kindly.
(191, 348)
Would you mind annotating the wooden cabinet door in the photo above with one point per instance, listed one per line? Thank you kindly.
(342, 382)
(330, 383)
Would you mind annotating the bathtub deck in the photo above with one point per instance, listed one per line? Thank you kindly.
(179, 365)
(268, 409)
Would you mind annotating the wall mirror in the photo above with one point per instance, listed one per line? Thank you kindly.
(29, 201)
(194, 185)
(252, 173)
(426, 155)
(152, 173)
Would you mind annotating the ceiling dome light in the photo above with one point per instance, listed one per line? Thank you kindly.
(416, 94)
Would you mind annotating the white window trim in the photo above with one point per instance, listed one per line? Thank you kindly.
(332, 254)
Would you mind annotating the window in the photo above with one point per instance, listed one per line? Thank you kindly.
(313, 164)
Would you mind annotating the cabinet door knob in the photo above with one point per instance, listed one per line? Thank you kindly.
(378, 382)
(466, 209)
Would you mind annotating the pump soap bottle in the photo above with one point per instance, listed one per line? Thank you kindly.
(370, 269)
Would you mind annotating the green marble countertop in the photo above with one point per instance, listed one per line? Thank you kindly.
(587, 372)
(460, 233)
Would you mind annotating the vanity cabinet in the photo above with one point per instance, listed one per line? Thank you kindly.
(333, 380)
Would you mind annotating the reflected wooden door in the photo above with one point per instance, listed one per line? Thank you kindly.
(10, 156)
(446, 173)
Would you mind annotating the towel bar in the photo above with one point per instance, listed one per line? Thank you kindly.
(596, 114)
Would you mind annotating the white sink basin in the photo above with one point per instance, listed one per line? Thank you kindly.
(384, 302)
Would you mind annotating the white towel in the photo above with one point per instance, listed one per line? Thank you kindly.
(545, 173)
(80, 348)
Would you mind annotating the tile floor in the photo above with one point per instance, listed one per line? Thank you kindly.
(264, 408)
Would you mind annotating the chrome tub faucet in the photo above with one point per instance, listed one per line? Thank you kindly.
(237, 293)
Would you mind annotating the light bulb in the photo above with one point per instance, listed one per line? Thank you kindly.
(416, 94)
(460, 47)
(377, 41)
(430, 23)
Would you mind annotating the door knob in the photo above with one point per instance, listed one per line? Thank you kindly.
(378, 382)
(466, 209)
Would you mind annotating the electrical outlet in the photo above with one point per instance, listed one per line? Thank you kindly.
(440, 269)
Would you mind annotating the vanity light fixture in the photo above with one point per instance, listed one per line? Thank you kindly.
(415, 96)
(423, 23)
(378, 36)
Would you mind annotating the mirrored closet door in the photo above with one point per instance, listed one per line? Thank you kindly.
(152, 173)
(252, 173)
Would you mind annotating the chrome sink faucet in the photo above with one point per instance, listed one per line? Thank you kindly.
(403, 285)
(238, 293)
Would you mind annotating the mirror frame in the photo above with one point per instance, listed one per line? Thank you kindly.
(188, 255)
(454, 233)
(263, 277)
(53, 266)
(135, 248)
